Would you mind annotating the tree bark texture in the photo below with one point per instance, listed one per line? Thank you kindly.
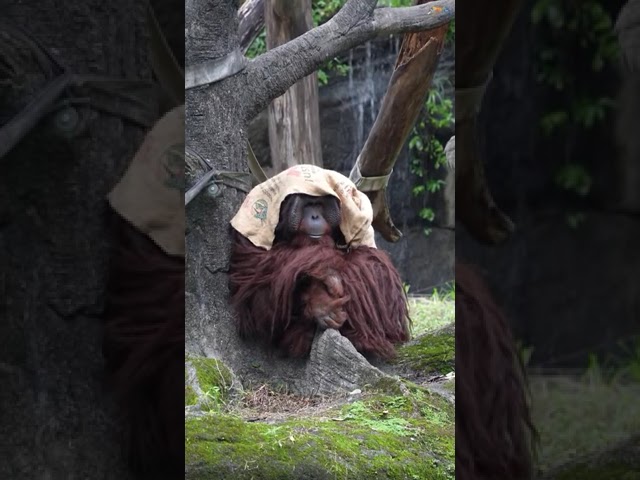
(217, 117)
(214, 130)
(294, 118)
(56, 421)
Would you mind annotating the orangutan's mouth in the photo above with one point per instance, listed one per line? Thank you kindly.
(316, 237)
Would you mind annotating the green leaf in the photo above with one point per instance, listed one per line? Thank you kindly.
(552, 121)
(434, 185)
(574, 177)
(416, 143)
(323, 79)
(538, 10)
(427, 214)
(555, 16)
(574, 220)
(418, 189)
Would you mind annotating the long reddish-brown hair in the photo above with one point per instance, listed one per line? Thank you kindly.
(265, 292)
(494, 432)
(144, 350)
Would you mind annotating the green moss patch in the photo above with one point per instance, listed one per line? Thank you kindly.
(408, 436)
(190, 396)
(432, 353)
(394, 430)
(212, 383)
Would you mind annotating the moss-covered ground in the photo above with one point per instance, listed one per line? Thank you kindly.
(429, 354)
(211, 384)
(377, 436)
(387, 431)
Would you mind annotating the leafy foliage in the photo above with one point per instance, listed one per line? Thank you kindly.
(427, 141)
(576, 41)
(214, 399)
(259, 45)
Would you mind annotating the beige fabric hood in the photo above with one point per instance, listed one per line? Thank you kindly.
(150, 195)
(258, 216)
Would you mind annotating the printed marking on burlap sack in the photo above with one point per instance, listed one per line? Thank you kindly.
(173, 163)
(260, 209)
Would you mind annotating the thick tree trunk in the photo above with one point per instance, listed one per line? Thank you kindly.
(56, 422)
(294, 118)
(216, 129)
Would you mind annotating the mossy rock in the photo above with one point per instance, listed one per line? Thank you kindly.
(208, 381)
(430, 354)
(190, 395)
(408, 436)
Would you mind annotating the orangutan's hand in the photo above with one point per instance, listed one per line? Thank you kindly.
(324, 300)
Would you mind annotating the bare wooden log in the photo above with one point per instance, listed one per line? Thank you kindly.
(482, 28)
(414, 70)
(294, 118)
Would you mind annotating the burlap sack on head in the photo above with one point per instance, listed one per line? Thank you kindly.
(150, 195)
(259, 214)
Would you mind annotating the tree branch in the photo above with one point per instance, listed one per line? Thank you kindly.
(412, 19)
(271, 74)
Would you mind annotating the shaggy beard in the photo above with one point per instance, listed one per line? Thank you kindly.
(494, 432)
(265, 290)
(143, 347)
